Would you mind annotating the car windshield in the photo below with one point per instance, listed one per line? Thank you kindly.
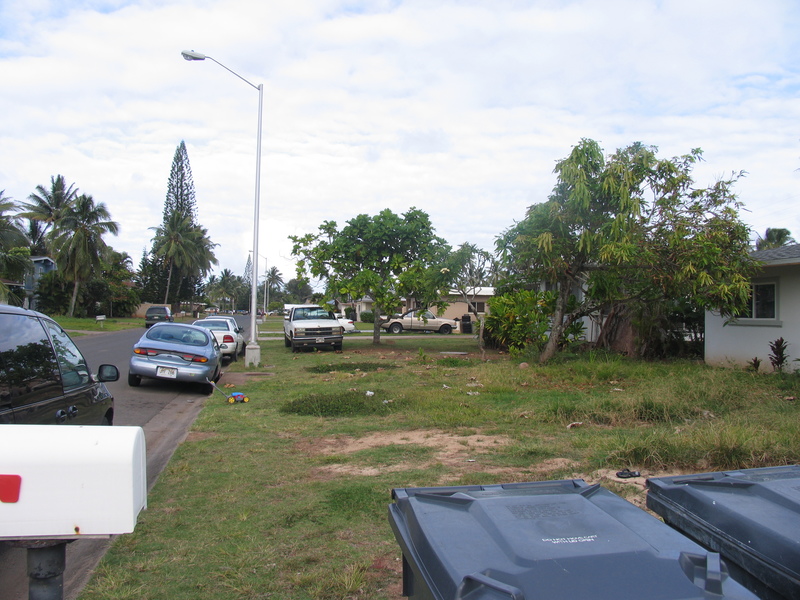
(176, 334)
(313, 312)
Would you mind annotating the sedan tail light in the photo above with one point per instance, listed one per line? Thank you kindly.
(227, 339)
(187, 357)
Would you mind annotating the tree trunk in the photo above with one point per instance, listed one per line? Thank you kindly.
(376, 325)
(557, 327)
(169, 280)
(73, 299)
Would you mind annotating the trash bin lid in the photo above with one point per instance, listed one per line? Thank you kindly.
(750, 516)
(546, 540)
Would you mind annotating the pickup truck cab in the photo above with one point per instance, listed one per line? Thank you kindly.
(309, 325)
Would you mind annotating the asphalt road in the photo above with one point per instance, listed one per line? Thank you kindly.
(164, 410)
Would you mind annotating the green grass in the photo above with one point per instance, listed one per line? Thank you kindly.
(285, 497)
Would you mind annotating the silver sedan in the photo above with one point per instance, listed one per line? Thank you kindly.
(176, 352)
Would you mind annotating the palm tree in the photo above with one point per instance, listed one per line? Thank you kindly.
(774, 238)
(183, 246)
(78, 237)
(274, 280)
(48, 206)
(228, 286)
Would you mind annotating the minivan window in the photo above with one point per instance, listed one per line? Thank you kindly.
(28, 368)
(74, 372)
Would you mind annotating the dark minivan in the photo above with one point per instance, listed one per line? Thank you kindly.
(44, 378)
(157, 314)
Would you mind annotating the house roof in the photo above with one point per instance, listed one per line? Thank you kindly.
(785, 255)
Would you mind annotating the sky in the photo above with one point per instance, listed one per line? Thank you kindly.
(457, 108)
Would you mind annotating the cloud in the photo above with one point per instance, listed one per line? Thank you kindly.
(460, 109)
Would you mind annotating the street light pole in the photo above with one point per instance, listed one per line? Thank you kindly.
(252, 354)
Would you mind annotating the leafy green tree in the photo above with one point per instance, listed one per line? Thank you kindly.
(632, 229)
(471, 268)
(53, 293)
(122, 298)
(78, 237)
(48, 207)
(14, 255)
(297, 290)
(774, 238)
(386, 257)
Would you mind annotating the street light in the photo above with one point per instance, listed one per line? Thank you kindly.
(253, 350)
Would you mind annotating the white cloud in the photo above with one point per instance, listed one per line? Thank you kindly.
(458, 108)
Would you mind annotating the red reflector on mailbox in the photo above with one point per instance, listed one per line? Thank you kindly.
(9, 488)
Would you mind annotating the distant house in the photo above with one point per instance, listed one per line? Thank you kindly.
(456, 308)
(774, 312)
(41, 265)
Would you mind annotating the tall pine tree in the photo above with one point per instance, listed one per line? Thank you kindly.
(180, 188)
(182, 253)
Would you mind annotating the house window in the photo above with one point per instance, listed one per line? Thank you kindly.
(763, 302)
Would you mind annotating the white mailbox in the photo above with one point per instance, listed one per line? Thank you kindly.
(68, 481)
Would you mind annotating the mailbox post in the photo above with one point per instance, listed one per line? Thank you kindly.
(63, 483)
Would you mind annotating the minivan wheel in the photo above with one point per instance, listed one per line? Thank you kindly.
(134, 380)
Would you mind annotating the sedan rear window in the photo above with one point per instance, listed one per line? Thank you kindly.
(177, 335)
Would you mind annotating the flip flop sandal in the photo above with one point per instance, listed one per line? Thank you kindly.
(626, 474)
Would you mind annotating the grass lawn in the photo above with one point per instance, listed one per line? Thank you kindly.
(285, 497)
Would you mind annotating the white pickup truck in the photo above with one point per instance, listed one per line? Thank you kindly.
(309, 325)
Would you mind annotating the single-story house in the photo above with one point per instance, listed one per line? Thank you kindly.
(774, 312)
(456, 308)
(41, 265)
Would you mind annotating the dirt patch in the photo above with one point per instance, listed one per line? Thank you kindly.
(240, 378)
(462, 454)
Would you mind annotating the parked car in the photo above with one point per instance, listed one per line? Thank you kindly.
(176, 352)
(157, 314)
(311, 326)
(44, 378)
(348, 324)
(228, 334)
(232, 319)
(418, 320)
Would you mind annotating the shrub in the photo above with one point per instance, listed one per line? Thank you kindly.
(367, 316)
(778, 356)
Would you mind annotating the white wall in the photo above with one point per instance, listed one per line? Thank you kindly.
(738, 344)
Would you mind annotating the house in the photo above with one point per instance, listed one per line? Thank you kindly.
(456, 308)
(774, 313)
(41, 265)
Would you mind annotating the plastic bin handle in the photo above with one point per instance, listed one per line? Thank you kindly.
(472, 582)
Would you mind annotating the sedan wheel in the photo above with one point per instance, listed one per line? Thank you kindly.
(134, 380)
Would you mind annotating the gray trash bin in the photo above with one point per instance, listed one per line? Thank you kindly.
(546, 541)
(750, 516)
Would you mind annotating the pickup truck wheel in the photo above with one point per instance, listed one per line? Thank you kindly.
(395, 328)
(337, 347)
(445, 329)
(287, 342)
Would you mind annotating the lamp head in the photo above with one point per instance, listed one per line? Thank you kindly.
(192, 55)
